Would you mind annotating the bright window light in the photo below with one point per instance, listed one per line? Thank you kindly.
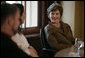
(31, 13)
(11, 2)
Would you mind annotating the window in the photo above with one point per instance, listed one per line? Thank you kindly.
(31, 8)
(31, 13)
(33, 21)
(11, 2)
(36, 17)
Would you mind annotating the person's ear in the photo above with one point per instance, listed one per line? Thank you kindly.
(10, 20)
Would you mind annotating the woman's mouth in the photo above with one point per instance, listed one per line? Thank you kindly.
(55, 19)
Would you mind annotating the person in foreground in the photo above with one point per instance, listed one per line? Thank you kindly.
(58, 33)
(13, 44)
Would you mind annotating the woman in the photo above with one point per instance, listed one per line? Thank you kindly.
(58, 33)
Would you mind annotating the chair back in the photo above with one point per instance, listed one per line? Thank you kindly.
(43, 39)
(47, 50)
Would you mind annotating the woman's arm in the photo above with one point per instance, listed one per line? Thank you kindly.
(56, 45)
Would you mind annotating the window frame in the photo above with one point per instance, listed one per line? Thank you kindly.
(34, 30)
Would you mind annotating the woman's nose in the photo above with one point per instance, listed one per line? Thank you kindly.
(55, 16)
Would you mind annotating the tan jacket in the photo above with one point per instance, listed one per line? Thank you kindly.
(59, 38)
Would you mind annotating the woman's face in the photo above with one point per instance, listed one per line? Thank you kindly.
(54, 16)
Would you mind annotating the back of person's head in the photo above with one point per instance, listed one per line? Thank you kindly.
(21, 8)
(3, 2)
(7, 10)
(55, 6)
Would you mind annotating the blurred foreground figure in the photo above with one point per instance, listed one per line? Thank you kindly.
(13, 43)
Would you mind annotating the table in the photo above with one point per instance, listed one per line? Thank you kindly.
(73, 51)
(66, 53)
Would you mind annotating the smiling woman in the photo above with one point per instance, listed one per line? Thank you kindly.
(58, 33)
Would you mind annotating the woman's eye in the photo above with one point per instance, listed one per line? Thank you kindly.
(56, 13)
(52, 13)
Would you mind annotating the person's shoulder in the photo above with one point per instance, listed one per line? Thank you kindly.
(4, 36)
(48, 26)
(65, 24)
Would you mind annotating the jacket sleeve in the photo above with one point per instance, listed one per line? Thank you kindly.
(72, 39)
(55, 44)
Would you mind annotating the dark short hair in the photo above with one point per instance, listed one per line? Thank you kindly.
(54, 7)
(21, 8)
(6, 10)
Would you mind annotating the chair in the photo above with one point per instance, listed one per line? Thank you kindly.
(47, 50)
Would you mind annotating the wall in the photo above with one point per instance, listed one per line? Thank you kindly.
(79, 19)
(69, 13)
(74, 15)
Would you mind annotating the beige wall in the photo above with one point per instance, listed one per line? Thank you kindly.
(69, 13)
(79, 20)
(74, 15)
